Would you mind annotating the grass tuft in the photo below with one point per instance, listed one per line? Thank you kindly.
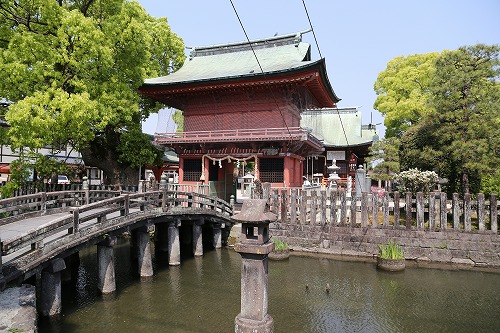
(391, 251)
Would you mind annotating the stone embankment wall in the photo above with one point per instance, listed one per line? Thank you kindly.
(448, 247)
(460, 231)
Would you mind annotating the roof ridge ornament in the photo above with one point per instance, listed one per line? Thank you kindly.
(277, 40)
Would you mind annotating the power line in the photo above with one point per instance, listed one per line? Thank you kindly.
(319, 51)
(258, 62)
(310, 24)
(342, 124)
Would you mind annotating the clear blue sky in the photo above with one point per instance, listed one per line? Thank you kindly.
(357, 38)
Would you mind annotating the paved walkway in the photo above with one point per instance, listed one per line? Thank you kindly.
(21, 227)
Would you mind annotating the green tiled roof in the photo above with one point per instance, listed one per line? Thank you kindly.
(275, 54)
(325, 124)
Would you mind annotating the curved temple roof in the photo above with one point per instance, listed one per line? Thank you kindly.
(276, 55)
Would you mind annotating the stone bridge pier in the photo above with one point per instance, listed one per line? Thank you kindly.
(168, 237)
(50, 301)
(106, 270)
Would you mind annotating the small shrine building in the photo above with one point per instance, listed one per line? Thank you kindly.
(345, 139)
(242, 102)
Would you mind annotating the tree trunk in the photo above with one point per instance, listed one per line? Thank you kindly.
(114, 172)
(465, 181)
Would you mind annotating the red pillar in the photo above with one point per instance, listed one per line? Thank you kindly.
(181, 169)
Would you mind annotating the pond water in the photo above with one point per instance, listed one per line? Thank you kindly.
(203, 295)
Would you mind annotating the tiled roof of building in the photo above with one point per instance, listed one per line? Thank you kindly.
(236, 60)
(325, 124)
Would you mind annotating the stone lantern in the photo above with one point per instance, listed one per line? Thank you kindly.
(333, 176)
(254, 247)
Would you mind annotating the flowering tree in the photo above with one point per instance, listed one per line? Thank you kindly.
(414, 181)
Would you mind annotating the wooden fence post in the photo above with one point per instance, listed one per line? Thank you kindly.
(284, 205)
(333, 207)
(409, 215)
(314, 203)
(303, 207)
(467, 212)
(456, 211)
(493, 213)
(386, 209)
(374, 210)
(343, 208)
(364, 209)
(396, 209)
(323, 207)
(420, 211)
(432, 210)
(266, 191)
(443, 211)
(293, 205)
(352, 219)
(274, 201)
(480, 211)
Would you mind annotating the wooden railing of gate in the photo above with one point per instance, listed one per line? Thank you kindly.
(431, 212)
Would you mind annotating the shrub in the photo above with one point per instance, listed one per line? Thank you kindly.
(414, 181)
(391, 251)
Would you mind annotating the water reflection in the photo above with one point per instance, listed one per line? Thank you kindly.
(203, 295)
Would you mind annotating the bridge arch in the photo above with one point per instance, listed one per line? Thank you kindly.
(173, 216)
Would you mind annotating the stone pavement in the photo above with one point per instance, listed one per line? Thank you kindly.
(18, 310)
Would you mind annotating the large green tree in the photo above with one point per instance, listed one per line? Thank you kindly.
(72, 70)
(460, 137)
(403, 91)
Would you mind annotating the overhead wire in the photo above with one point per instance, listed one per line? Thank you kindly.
(319, 51)
(260, 66)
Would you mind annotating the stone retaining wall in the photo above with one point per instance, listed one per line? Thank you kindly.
(478, 249)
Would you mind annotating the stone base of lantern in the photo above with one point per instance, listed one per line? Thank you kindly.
(244, 325)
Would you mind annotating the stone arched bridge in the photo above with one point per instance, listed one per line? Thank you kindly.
(41, 232)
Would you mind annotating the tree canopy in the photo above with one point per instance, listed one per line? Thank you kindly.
(72, 69)
(457, 135)
(403, 91)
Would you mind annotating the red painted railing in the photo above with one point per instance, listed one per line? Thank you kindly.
(256, 134)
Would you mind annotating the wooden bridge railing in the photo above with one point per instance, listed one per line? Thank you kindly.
(431, 212)
(42, 203)
(109, 203)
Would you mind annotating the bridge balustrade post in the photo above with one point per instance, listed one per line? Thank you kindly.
(198, 237)
(2, 279)
(174, 246)
(76, 221)
(50, 300)
(126, 206)
(140, 188)
(106, 268)
(43, 202)
(144, 250)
